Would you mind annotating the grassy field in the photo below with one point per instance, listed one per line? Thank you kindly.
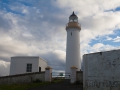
(25, 86)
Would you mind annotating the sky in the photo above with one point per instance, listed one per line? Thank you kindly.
(37, 28)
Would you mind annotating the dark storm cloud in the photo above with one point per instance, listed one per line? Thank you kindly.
(55, 60)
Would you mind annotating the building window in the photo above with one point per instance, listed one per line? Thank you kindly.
(71, 33)
(29, 68)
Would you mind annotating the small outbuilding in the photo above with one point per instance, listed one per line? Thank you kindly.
(27, 64)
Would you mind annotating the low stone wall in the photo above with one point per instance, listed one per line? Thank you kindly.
(23, 78)
(79, 76)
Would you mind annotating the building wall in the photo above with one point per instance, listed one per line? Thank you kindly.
(101, 71)
(42, 64)
(73, 49)
(19, 64)
(23, 78)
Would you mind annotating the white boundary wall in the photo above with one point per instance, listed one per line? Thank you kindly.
(102, 71)
(22, 78)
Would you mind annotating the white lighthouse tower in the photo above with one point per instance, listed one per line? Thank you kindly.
(73, 43)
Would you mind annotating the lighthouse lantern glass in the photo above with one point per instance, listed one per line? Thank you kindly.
(73, 19)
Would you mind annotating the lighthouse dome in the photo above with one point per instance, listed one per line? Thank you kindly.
(73, 18)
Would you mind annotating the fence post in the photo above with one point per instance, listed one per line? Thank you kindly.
(73, 74)
(48, 74)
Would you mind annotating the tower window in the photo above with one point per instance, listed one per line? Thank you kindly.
(71, 33)
(29, 68)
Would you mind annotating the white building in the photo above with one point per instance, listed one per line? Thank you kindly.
(27, 64)
(73, 44)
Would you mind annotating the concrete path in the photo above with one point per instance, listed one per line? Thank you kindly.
(64, 85)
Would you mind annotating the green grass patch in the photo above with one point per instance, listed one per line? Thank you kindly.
(22, 86)
(57, 80)
(27, 86)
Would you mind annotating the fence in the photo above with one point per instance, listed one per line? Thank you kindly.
(60, 75)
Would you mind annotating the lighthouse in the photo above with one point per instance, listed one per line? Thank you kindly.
(73, 43)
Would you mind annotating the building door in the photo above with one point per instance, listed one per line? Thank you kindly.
(39, 69)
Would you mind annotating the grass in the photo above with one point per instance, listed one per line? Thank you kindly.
(25, 86)
(57, 80)
(22, 86)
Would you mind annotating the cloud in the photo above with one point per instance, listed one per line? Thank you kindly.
(99, 47)
(117, 39)
(108, 38)
(55, 58)
(5, 23)
(4, 68)
(87, 7)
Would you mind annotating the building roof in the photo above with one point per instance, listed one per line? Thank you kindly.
(102, 51)
(29, 57)
(42, 59)
(26, 56)
(73, 14)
